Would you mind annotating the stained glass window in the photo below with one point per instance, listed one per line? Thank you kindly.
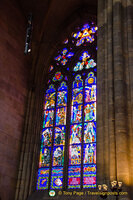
(68, 137)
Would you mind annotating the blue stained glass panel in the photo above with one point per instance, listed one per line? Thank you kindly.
(49, 100)
(89, 153)
(62, 98)
(74, 177)
(91, 79)
(51, 89)
(75, 134)
(57, 178)
(48, 118)
(90, 112)
(90, 93)
(90, 132)
(89, 176)
(58, 156)
(62, 86)
(45, 157)
(78, 82)
(47, 137)
(59, 137)
(74, 154)
(42, 182)
(76, 114)
(77, 96)
(61, 116)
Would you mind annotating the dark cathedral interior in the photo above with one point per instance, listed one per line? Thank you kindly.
(66, 99)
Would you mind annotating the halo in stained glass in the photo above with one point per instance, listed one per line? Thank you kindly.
(58, 156)
(57, 178)
(78, 82)
(77, 96)
(90, 93)
(43, 177)
(90, 112)
(89, 176)
(74, 154)
(45, 157)
(47, 137)
(75, 134)
(76, 114)
(48, 118)
(89, 153)
(62, 98)
(61, 116)
(90, 132)
(59, 137)
(74, 177)
(91, 79)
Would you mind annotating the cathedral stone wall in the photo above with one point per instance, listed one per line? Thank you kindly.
(14, 73)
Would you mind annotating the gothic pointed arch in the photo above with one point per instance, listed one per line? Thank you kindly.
(68, 137)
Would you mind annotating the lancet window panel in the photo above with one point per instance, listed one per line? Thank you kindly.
(68, 137)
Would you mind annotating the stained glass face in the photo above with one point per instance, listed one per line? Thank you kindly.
(75, 134)
(74, 177)
(48, 118)
(90, 112)
(89, 153)
(89, 176)
(61, 116)
(45, 157)
(58, 156)
(57, 178)
(62, 98)
(42, 182)
(47, 137)
(90, 93)
(50, 100)
(59, 138)
(76, 114)
(77, 96)
(90, 132)
(75, 155)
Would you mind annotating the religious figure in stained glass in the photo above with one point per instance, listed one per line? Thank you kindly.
(48, 118)
(50, 100)
(78, 82)
(77, 96)
(90, 112)
(45, 157)
(90, 153)
(61, 116)
(76, 114)
(62, 98)
(75, 134)
(47, 137)
(59, 138)
(75, 154)
(58, 156)
(90, 132)
(90, 93)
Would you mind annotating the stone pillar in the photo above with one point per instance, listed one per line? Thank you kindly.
(114, 91)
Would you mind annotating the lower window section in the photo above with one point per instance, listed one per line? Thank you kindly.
(89, 176)
(57, 178)
(43, 177)
(74, 173)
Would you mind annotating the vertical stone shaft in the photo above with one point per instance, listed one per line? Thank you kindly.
(120, 94)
